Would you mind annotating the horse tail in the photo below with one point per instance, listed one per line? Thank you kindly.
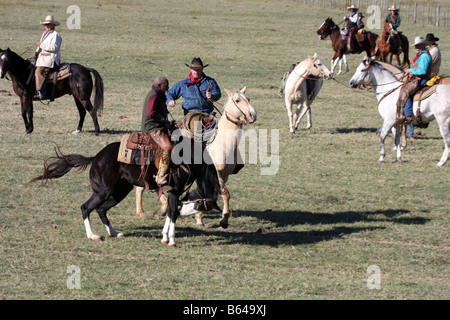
(62, 164)
(98, 99)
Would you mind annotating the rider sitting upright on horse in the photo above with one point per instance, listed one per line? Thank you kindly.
(394, 19)
(47, 53)
(354, 23)
(417, 78)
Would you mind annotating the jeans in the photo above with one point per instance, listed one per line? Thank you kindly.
(408, 109)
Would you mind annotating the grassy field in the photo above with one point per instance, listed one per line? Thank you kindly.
(309, 232)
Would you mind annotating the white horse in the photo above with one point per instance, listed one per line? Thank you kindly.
(387, 88)
(296, 91)
(223, 150)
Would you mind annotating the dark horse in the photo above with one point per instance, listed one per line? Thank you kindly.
(339, 44)
(111, 181)
(387, 47)
(79, 84)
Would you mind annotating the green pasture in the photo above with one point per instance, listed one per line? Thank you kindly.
(311, 231)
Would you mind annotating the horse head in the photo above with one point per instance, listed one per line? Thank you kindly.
(325, 28)
(317, 68)
(238, 108)
(362, 76)
(4, 62)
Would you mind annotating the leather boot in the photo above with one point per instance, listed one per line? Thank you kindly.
(161, 176)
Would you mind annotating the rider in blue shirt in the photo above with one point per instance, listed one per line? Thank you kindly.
(197, 90)
(418, 76)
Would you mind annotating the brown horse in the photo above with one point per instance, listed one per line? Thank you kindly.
(79, 84)
(387, 47)
(339, 44)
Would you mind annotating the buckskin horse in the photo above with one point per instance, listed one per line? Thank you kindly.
(223, 148)
(387, 48)
(79, 84)
(339, 44)
(387, 84)
(112, 181)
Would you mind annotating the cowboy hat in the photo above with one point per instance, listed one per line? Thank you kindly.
(431, 37)
(420, 40)
(196, 64)
(50, 20)
(353, 7)
(393, 8)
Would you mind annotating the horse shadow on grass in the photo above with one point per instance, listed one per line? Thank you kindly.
(267, 231)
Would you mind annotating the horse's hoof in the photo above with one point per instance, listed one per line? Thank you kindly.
(76, 131)
(95, 238)
(140, 214)
(172, 245)
(119, 235)
(29, 131)
(164, 241)
(224, 225)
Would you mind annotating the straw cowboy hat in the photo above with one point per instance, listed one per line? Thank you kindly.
(50, 20)
(196, 64)
(353, 7)
(393, 8)
(420, 40)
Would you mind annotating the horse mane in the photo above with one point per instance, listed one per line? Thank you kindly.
(395, 71)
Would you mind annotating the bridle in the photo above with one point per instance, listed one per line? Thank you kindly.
(367, 84)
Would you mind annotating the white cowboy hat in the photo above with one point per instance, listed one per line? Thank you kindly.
(419, 40)
(353, 7)
(50, 20)
(393, 8)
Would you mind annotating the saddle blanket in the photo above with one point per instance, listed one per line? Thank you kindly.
(62, 73)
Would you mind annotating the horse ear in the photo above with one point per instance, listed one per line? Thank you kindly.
(243, 89)
(229, 93)
(315, 55)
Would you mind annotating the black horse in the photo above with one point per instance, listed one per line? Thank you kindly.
(111, 181)
(79, 84)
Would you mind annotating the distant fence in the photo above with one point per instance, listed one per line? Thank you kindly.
(426, 12)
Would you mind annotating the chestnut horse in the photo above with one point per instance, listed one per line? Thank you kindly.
(79, 84)
(387, 48)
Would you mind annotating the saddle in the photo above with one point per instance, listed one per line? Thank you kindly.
(139, 148)
(425, 93)
(59, 73)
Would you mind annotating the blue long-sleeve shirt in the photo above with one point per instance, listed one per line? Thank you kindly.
(194, 95)
(423, 62)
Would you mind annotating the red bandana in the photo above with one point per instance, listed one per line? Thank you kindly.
(193, 80)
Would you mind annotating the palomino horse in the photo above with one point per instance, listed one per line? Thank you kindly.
(111, 181)
(223, 149)
(79, 84)
(387, 48)
(296, 90)
(339, 44)
(387, 87)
